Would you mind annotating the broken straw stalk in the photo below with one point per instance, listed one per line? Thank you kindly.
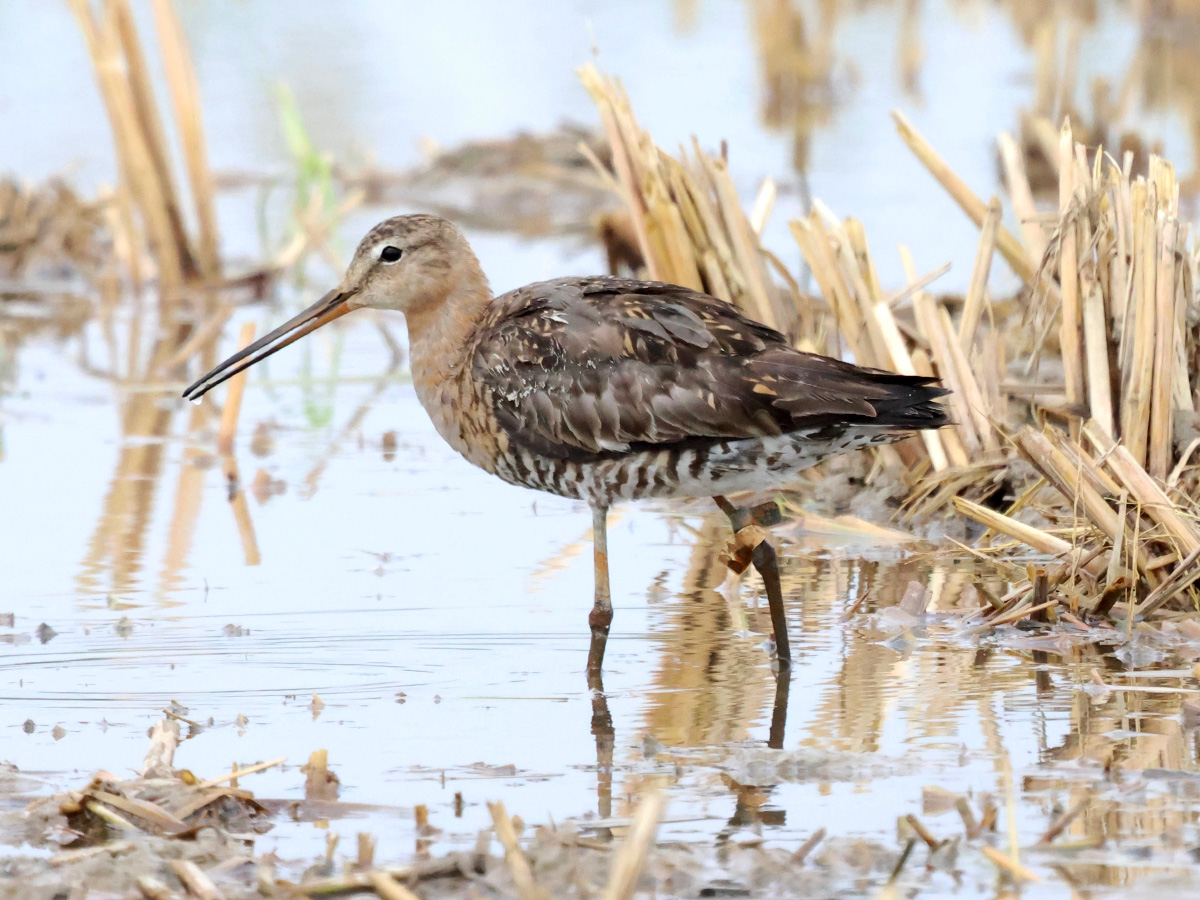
(1096, 220)
(1115, 274)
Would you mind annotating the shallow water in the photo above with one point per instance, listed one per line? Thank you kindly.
(439, 615)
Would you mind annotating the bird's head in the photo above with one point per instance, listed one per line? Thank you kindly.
(407, 263)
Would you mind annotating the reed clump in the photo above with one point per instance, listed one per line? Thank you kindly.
(151, 207)
(1109, 433)
(687, 219)
(48, 230)
(1074, 405)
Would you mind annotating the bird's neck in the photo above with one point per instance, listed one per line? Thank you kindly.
(439, 341)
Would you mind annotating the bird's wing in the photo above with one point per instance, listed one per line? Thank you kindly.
(585, 367)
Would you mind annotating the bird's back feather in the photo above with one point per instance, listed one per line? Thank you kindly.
(592, 368)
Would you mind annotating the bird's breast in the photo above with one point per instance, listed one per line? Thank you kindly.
(463, 417)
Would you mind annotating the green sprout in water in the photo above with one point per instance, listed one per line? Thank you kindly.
(316, 212)
(314, 169)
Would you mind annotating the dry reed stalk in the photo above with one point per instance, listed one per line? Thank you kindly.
(1162, 406)
(1072, 481)
(814, 243)
(948, 437)
(137, 135)
(109, 816)
(142, 149)
(1020, 613)
(1184, 292)
(974, 396)
(1135, 419)
(1184, 575)
(518, 865)
(919, 284)
(1045, 54)
(990, 358)
(1118, 550)
(619, 125)
(1022, 196)
(365, 843)
(970, 823)
(445, 867)
(126, 243)
(233, 399)
(1014, 869)
(139, 809)
(922, 832)
(111, 849)
(1059, 825)
(164, 739)
(856, 260)
(837, 254)
(931, 325)
(924, 307)
(316, 772)
(240, 507)
(1009, 247)
(1121, 217)
(136, 166)
(189, 119)
(1026, 534)
(1080, 460)
(240, 773)
(151, 888)
(1045, 137)
(151, 130)
(801, 853)
(1152, 499)
(686, 214)
(764, 203)
(1096, 346)
(903, 364)
(1071, 321)
(388, 888)
(194, 881)
(973, 303)
(631, 857)
(744, 240)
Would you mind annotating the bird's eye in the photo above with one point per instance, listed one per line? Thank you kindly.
(390, 254)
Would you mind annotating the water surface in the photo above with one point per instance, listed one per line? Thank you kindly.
(372, 594)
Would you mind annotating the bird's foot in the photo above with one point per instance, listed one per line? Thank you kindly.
(750, 546)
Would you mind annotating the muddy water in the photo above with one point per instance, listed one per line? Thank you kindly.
(369, 593)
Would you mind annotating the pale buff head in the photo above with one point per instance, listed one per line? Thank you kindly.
(419, 265)
(408, 263)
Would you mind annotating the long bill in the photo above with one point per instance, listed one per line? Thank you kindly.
(332, 306)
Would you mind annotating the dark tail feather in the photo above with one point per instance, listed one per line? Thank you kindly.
(911, 403)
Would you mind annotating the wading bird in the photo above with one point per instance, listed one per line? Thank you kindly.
(607, 389)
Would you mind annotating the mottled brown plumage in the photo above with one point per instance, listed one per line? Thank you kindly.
(604, 388)
(585, 368)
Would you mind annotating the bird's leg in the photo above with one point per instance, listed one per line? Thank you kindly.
(767, 564)
(600, 619)
(605, 735)
(602, 611)
(779, 710)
